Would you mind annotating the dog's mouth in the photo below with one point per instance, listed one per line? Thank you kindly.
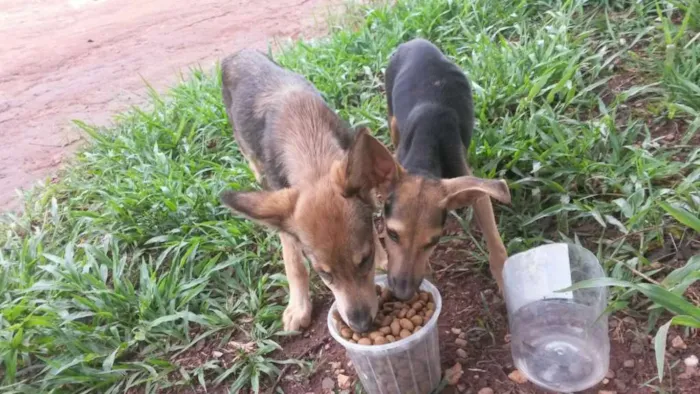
(404, 287)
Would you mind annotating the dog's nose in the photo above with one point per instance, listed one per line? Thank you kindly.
(403, 287)
(360, 319)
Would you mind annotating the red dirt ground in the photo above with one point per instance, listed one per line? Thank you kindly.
(471, 303)
(88, 59)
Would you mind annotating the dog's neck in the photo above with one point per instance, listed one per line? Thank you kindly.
(313, 140)
(431, 145)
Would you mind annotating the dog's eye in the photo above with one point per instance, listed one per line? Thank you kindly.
(393, 235)
(326, 276)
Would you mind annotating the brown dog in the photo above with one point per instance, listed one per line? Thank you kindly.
(431, 118)
(318, 178)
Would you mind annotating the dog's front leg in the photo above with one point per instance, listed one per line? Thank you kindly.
(483, 211)
(298, 312)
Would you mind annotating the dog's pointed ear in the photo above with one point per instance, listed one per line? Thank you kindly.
(270, 208)
(369, 165)
(465, 190)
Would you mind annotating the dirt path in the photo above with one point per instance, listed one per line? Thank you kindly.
(87, 59)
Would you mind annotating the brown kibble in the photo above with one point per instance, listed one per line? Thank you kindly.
(387, 321)
(431, 306)
(375, 334)
(395, 319)
(417, 320)
(406, 324)
(346, 332)
(395, 327)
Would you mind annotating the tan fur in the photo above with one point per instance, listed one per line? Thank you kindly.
(394, 131)
(325, 214)
(416, 217)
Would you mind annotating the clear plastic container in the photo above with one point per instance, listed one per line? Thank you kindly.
(559, 340)
(408, 366)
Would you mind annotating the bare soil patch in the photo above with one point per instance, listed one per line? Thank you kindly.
(472, 304)
(88, 59)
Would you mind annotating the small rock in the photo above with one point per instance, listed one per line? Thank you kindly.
(462, 353)
(453, 374)
(328, 384)
(334, 365)
(461, 342)
(606, 381)
(691, 361)
(678, 343)
(462, 336)
(328, 346)
(455, 330)
(216, 354)
(621, 386)
(506, 338)
(344, 392)
(486, 390)
(518, 377)
(344, 381)
(461, 388)
(349, 364)
(610, 374)
(607, 392)
(628, 363)
(636, 349)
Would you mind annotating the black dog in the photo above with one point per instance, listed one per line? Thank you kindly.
(432, 118)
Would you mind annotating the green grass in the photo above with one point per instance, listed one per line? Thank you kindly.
(129, 259)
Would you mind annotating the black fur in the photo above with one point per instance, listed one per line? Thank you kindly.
(431, 99)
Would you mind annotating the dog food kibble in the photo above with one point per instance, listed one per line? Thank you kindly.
(395, 320)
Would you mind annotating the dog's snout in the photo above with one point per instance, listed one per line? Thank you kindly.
(403, 287)
(360, 319)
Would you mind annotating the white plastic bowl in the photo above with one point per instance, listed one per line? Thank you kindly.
(408, 366)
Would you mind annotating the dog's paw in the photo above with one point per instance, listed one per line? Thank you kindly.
(297, 315)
